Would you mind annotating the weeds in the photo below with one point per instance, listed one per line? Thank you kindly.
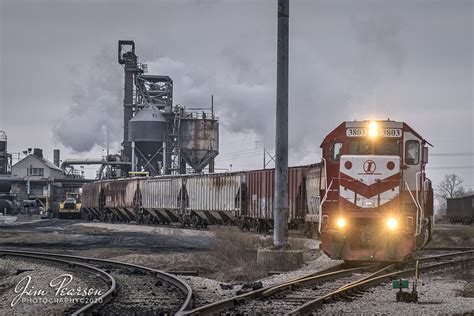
(235, 253)
(453, 236)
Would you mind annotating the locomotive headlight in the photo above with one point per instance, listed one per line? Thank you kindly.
(341, 222)
(373, 129)
(392, 223)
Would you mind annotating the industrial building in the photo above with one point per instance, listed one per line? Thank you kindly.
(35, 167)
(159, 138)
(34, 179)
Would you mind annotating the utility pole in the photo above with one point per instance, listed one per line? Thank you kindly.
(264, 154)
(264, 151)
(280, 208)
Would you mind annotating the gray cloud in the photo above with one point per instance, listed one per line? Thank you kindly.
(410, 61)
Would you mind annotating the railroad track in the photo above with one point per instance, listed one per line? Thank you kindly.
(294, 297)
(77, 309)
(136, 289)
(351, 291)
(243, 302)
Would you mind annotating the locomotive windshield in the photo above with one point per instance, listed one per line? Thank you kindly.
(365, 147)
(360, 147)
(387, 148)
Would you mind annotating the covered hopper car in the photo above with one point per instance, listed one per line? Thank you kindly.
(242, 198)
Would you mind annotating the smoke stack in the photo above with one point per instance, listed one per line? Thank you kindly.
(56, 157)
(38, 152)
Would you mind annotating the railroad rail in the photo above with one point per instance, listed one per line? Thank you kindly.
(322, 276)
(181, 285)
(103, 275)
(372, 272)
(351, 290)
(447, 248)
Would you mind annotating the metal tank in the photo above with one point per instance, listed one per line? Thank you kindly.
(147, 134)
(199, 140)
(3, 153)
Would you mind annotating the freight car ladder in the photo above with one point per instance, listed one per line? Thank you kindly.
(174, 137)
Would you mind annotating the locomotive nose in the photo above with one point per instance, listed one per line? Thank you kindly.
(369, 181)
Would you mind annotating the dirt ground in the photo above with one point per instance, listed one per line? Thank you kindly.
(449, 235)
(221, 253)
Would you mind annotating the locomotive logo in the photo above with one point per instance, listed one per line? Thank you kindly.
(369, 166)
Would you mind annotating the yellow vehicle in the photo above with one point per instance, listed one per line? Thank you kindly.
(71, 207)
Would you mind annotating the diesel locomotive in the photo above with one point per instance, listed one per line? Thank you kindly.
(377, 203)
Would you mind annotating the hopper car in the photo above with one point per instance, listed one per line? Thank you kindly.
(242, 198)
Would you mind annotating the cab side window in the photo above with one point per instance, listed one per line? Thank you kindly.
(412, 152)
(336, 149)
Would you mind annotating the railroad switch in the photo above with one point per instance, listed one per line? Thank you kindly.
(408, 297)
(404, 284)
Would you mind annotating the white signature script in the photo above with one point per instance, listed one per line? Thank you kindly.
(24, 288)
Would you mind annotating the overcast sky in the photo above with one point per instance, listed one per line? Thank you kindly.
(412, 61)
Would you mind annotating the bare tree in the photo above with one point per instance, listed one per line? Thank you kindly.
(450, 187)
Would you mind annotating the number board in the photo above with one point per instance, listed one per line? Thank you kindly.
(356, 132)
(390, 132)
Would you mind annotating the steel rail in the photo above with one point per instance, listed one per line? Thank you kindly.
(388, 267)
(447, 248)
(345, 291)
(176, 281)
(104, 276)
(325, 275)
(443, 256)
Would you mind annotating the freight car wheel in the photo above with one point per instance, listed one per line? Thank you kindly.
(185, 221)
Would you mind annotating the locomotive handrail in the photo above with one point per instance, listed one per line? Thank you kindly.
(325, 173)
(422, 213)
(321, 206)
(417, 210)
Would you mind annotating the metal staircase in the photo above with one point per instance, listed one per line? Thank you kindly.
(174, 140)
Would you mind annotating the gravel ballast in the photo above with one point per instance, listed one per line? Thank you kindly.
(438, 294)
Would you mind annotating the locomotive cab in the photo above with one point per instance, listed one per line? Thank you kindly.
(376, 198)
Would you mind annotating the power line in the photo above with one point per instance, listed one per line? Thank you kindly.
(238, 157)
(237, 152)
(452, 154)
(450, 167)
(453, 140)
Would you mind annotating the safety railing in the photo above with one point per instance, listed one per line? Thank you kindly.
(418, 210)
(418, 188)
(321, 205)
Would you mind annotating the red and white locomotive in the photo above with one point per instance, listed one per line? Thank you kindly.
(376, 201)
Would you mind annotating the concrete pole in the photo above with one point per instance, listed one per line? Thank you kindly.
(280, 208)
(165, 155)
(133, 157)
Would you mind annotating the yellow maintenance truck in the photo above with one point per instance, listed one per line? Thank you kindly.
(70, 207)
